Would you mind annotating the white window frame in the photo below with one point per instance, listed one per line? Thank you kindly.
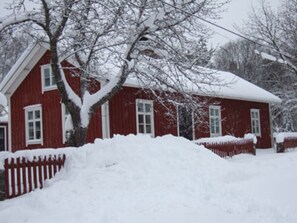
(28, 109)
(151, 113)
(64, 116)
(52, 86)
(255, 120)
(211, 117)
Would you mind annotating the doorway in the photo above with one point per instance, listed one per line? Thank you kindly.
(185, 122)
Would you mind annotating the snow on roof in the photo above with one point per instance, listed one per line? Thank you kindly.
(238, 88)
(227, 85)
(224, 84)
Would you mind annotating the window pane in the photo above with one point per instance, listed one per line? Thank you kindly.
(47, 82)
(212, 129)
(212, 126)
(211, 112)
(140, 107)
(141, 128)
(140, 119)
(53, 80)
(148, 129)
(37, 114)
(256, 115)
(47, 72)
(30, 115)
(216, 113)
(217, 129)
(37, 129)
(31, 130)
(147, 108)
(148, 119)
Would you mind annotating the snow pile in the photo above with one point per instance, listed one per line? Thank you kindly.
(280, 137)
(166, 179)
(251, 136)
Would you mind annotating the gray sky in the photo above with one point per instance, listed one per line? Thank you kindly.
(236, 12)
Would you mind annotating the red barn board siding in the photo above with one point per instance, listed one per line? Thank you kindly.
(30, 93)
(122, 113)
(235, 114)
(236, 120)
(95, 128)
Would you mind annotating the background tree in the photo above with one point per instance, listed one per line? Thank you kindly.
(12, 45)
(272, 67)
(112, 40)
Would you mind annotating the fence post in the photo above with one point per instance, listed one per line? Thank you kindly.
(280, 147)
(254, 148)
(6, 169)
(23, 164)
(18, 172)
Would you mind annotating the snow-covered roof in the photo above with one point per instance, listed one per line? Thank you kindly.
(228, 84)
(237, 88)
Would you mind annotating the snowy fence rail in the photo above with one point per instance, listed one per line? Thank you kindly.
(231, 148)
(23, 175)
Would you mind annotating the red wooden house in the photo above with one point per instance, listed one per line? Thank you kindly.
(37, 117)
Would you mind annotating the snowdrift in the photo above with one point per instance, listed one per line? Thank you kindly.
(141, 179)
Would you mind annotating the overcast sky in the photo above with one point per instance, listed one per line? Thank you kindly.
(237, 11)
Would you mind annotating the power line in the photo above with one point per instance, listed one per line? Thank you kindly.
(228, 30)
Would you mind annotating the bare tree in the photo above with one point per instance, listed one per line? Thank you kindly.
(12, 45)
(111, 40)
(272, 67)
(276, 30)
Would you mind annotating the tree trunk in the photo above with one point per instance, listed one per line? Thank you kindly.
(77, 137)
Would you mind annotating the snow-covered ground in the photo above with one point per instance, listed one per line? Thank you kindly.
(137, 179)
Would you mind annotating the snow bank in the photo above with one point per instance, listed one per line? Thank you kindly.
(165, 179)
(280, 137)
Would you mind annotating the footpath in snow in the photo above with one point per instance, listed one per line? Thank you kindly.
(138, 179)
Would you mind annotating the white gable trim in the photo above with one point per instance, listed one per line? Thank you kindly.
(9, 127)
(22, 68)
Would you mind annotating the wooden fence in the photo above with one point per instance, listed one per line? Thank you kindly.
(23, 176)
(288, 143)
(231, 148)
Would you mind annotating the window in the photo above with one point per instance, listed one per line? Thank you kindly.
(215, 121)
(255, 122)
(2, 138)
(145, 117)
(33, 118)
(48, 80)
